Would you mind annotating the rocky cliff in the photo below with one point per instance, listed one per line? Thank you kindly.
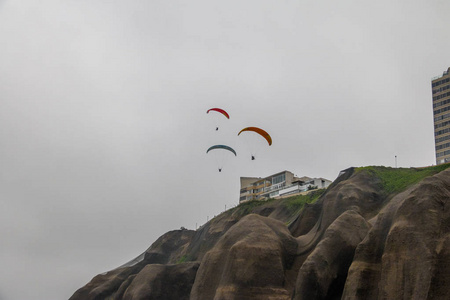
(375, 233)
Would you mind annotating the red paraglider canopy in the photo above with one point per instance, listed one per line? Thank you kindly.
(220, 111)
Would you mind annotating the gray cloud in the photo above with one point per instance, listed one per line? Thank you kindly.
(103, 124)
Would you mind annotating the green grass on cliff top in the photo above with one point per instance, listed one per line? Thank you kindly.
(395, 180)
(293, 204)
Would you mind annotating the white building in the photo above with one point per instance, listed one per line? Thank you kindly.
(277, 185)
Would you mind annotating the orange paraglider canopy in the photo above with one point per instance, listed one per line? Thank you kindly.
(259, 131)
(220, 111)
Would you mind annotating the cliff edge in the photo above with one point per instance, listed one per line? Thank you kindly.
(375, 233)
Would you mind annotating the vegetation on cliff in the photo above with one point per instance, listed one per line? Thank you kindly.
(396, 180)
(293, 204)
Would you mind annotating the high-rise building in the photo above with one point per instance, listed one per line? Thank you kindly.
(441, 112)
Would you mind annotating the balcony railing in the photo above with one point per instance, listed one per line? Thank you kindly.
(274, 187)
(261, 185)
(282, 187)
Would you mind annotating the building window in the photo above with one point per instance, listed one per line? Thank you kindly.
(446, 116)
(437, 133)
(279, 178)
(444, 102)
(273, 194)
(445, 138)
(442, 146)
(438, 111)
(443, 124)
(442, 153)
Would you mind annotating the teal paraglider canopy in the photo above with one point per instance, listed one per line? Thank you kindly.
(220, 155)
(222, 147)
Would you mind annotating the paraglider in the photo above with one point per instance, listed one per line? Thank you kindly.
(259, 131)
(261, 135)
(222, 147)
(222, 113)
(221, 153)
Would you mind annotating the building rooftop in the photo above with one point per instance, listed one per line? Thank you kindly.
(443, 74)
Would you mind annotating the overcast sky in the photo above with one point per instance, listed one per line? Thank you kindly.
(103, 124)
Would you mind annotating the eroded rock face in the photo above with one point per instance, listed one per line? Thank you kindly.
(403, 255)
(207, 236)
(106, 285)
(323, 273)
(169, 282)
(166, 249)
(355, 242)
(170, 247)
(249, 261)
